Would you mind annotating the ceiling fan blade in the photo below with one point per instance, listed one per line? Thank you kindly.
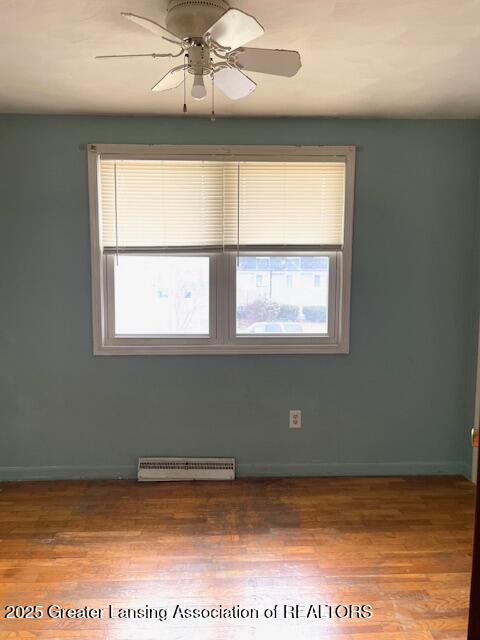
(152, 26)
(234, 29)
(170, 80)
(278, 62)
(233, 83)
(136, 55)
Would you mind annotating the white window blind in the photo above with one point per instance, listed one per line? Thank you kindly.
(163, 204)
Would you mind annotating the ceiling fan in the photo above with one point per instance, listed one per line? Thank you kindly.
(211, 38)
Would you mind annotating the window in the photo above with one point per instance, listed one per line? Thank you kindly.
(298, 309)
(161, 295)
(221, 249)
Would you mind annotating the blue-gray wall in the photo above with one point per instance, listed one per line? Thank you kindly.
(400, 402)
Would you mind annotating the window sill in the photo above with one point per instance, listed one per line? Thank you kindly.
(230, 349)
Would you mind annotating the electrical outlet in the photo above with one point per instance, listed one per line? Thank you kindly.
(295, 419)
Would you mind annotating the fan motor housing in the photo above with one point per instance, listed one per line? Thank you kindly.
(192, 18)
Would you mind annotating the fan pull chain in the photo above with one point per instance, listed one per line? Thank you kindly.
(116, 210)
(185, 83)
(213, 93)
(238, 214)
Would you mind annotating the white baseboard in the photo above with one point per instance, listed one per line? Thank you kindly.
(264, 469)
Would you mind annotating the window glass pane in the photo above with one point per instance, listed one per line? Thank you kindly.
(280, 295)
(157, 295)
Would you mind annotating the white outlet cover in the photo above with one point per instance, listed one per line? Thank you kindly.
(295, 419)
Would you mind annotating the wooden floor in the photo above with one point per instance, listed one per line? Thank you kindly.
(402, 545)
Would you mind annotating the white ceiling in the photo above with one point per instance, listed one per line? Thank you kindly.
(380, 58)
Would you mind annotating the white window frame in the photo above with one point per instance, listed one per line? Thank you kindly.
(164, 339)
(276, 341)
(222, 338)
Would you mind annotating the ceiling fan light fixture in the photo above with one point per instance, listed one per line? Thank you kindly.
(199, 91)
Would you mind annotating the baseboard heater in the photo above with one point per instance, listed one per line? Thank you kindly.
(157, 469)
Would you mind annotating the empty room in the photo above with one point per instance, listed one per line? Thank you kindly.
(239, 319)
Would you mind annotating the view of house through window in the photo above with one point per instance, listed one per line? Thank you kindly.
(282, 294)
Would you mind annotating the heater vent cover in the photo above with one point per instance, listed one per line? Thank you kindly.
(154, 469)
